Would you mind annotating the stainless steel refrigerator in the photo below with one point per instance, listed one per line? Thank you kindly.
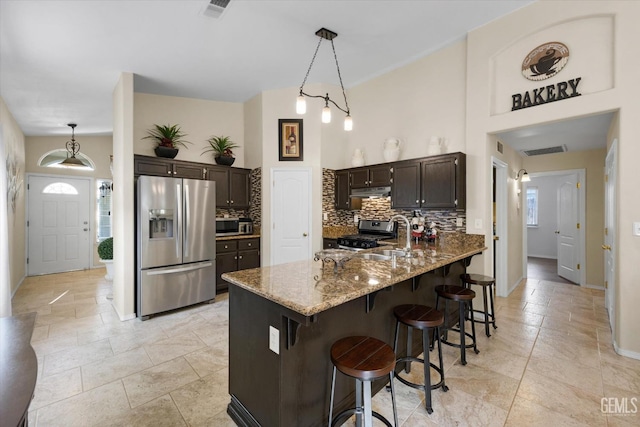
(176, 243)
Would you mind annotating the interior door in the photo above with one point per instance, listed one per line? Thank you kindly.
(568, 223)
(291, 207)
(58, 224)
(610, 233)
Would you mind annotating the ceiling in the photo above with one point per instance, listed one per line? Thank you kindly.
(60, 60)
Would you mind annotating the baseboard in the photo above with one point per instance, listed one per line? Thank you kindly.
(600, 288)
(515, 285)
(18, 287)
(121, 316)
(626, 353)
(541, 256)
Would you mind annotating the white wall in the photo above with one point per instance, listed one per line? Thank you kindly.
(541, 239)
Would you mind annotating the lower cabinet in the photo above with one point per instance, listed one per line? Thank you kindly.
(234, 255)
(329, 243)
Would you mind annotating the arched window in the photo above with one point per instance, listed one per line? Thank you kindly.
(53, 158)
(60, 188)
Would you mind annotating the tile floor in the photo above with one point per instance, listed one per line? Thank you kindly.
(550, 362)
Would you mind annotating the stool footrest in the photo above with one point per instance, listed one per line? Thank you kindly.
(421, 386)
(472, 345)
(347, 413)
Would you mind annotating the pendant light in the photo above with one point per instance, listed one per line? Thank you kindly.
(73, 148)
(301, 103)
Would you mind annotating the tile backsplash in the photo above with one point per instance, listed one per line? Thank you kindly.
(380, 209)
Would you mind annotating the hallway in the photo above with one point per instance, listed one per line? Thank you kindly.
(544, 269)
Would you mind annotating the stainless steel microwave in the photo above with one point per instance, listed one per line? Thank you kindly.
(227, 226)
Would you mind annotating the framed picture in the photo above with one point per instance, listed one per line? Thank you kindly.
(290, 140)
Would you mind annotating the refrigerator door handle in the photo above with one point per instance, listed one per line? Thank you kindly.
(178, 269)
(187, 216)
(177, 230)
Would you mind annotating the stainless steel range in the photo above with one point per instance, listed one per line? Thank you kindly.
(369, 234)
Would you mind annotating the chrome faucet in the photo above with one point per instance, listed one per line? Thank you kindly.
(408, 223)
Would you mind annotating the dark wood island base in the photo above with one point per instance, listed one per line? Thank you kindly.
(292, 388)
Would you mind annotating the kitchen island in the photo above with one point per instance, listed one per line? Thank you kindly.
(283, 320)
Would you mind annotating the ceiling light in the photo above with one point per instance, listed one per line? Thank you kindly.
(524, 177)
(301, 104)
(73, 148)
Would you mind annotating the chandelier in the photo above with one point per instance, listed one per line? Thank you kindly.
(301, 104)
(73, 148)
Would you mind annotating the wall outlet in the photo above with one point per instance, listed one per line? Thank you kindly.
(325, 216)
(459, 222)
(478, 223)
(636, 228)
(274, 340)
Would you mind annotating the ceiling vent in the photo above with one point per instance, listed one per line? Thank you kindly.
(548, 150)
(215, 8)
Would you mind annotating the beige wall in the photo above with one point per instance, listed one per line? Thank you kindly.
(424, 98)
(526, 27)
(200, 119)
(13, 140)
(253, 132)
(593, 162)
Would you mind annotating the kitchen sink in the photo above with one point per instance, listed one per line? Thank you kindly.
(373, 256)
(390, 252)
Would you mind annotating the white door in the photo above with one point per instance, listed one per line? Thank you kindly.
(58, 224)
(291, 215)
(568, 236)
(610, 232)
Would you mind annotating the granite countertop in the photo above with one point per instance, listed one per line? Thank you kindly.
(239, 236)
(335, 231)
(307, 288)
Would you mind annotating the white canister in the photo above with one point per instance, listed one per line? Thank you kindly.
(391, 150)
(435, 146)
(358, 158)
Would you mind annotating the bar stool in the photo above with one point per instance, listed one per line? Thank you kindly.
(464, 297)
(365, 359)
(485, 282)
(423, 318)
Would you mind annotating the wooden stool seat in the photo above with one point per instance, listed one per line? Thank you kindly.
(455, 293)
(419, 316)
(485, 282)
(424, 318)
(365, 359)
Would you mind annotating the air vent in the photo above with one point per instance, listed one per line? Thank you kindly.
(499, 147)
(215, 8)
(548, 150)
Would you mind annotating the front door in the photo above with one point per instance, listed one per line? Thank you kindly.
(58, 224)
(291, 232)
(568, 226)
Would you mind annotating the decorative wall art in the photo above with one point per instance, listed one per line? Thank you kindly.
(290, 140)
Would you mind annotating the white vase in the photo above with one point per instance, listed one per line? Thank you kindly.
(109, 264)
(391, 151)
(358, 158)
(436, 146)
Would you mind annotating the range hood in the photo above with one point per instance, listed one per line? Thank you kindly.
(370, 193)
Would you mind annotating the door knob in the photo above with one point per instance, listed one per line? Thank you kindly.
(85, 229)
(496, 237)
(606, 247)
(557, 232)
(304, 234)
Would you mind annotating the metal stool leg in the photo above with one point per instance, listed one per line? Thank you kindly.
(493, 312)
(427, 371)
(437, 338)
(368, 418)
(359, 408)
(473, 329)
(462, 309)
(333, 388)
(393, 399)
(486, 311)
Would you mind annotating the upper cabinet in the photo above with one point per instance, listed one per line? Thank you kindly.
(342, 200)
(374, 176)
(437, 182)
(156, 166)
(233, 186)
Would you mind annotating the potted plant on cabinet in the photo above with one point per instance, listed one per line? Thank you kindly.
(105, 252)
(168, 138)
(222, 146)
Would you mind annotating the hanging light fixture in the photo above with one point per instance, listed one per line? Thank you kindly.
(524, 177)
(301, 103)
(73, 148)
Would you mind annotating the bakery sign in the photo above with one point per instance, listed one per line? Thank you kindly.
(544, 62)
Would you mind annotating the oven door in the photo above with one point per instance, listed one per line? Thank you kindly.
(349, 248)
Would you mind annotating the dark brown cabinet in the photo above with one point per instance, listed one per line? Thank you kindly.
(342, 200)
(232, 186)
(157, 166)
(437, 182)
(329, 243)
(234, 255)
(375, 176)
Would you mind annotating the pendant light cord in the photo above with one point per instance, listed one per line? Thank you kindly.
(311, 65)
(339, 75)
